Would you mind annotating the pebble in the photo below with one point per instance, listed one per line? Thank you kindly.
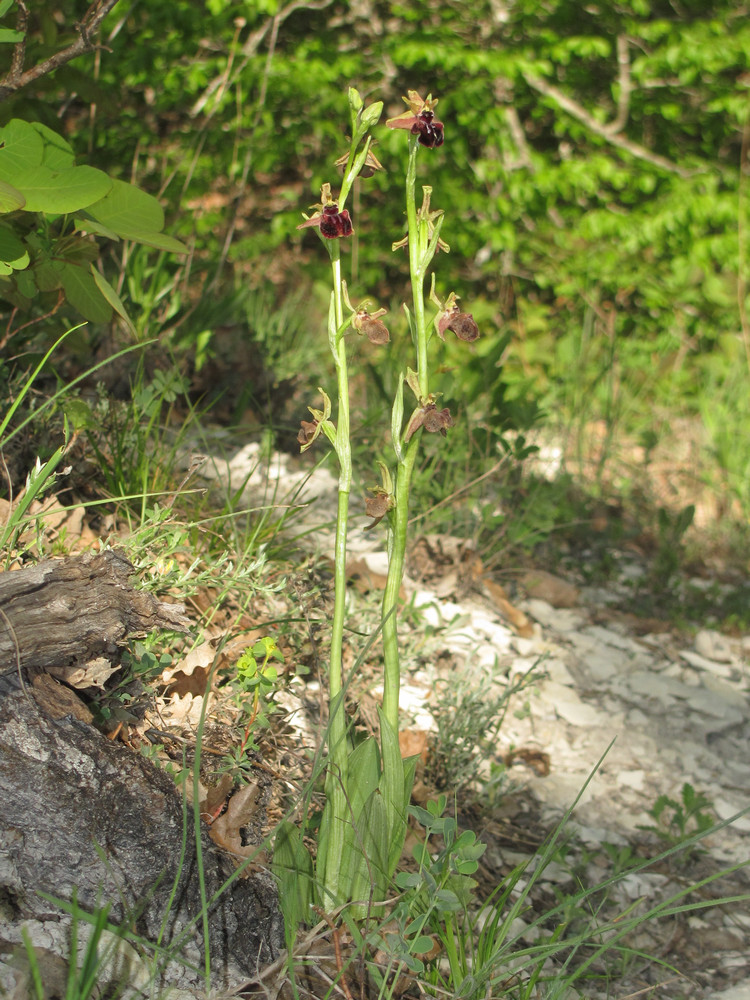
(714, 646)
(702, 663)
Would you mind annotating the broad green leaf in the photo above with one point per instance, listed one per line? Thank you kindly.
(362, 782)
(11, 198)
(364, 774)
(82, 293)
(26, 284)
(78, 413)
(292, 867)
(48, 274)
(57, 192)
(20, 264)
(369, 855)
(86, 224)
(11, 248)
(22, 147)
(58, 153)
(161, 241)
(112, 297)
(5, 6)
(9, 37)
(392, 788)
(127, 211)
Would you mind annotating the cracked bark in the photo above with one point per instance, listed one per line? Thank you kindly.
(83, 814)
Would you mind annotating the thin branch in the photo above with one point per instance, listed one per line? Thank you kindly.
(253, 42)
(519, 138)
(87, 28)
(575, 110)
(19, 49)
(625, 86)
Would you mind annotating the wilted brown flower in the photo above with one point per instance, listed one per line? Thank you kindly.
(370, 325)
(378, 504)
(451, 318)
(308, 431)
(433, 420)
(371, 165)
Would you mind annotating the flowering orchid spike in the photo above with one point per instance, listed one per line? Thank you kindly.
(420, 120)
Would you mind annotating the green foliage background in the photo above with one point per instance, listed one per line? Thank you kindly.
(591, 171)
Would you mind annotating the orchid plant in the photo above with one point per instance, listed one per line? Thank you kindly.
(368, 787)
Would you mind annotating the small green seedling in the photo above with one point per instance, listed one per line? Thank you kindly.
(675, 822)
(255, 680)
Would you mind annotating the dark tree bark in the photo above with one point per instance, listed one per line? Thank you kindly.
(71, 612)
(86, 816)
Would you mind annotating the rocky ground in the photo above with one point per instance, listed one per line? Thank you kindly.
(667, 709)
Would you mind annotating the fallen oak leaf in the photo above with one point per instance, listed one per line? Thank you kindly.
(242, 811)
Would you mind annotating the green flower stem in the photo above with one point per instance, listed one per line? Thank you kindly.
(418, 262)
(336, 781)
(417, 269)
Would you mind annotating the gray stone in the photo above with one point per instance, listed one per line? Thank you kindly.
(702, 663)
(714, 646)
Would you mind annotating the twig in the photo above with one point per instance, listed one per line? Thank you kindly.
(625, 86)
(519, 137)
(251, 46)
(336, 951)
(575, 110)
(16, 78)
(37, 319)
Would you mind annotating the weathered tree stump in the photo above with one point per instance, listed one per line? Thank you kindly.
(72, 612)
(82, 814)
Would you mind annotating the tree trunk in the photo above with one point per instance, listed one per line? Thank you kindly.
(86, 817)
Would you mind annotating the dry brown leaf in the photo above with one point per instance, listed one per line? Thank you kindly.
(189, 676)
(215, 798)
(550, 588)
(513, 615)
(363, 578)
(186, 709)
(95, 673)
(413, 743)
(241, 811)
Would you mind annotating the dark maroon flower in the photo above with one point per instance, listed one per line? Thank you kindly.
(420, 120)
(433, 420)
(429, 129)
(332, 223)
(335, 224)
(371, 326)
